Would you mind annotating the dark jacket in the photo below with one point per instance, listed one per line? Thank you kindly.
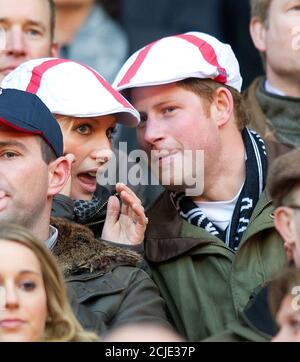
(63, 207)
(254, 324)
(105, 284)
(205, 284)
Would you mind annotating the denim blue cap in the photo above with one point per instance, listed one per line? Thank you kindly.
(25, 112)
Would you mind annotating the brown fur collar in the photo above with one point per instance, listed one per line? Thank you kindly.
(79, 252)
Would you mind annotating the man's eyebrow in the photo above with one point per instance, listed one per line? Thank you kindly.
(4, 144)
(159, 104)
(36, 23)
(27, 22)
(25, 271)
(163, 103)
(22, 272)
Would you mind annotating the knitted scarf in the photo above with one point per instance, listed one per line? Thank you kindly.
(256, 169)
(86, 211)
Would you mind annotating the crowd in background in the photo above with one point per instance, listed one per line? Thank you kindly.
(84, 262)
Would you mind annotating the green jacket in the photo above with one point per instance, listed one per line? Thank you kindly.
(204, 283)
(255, 324)
(105, 285)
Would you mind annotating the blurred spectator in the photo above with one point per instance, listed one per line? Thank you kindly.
(284, 186)
(29, 30)
(285, 304)
(272, 101)
(88, 34)
(35, 301)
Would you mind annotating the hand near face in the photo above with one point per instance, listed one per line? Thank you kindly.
(126, 223)
(67, 188)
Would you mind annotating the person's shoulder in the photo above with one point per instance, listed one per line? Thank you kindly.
(251, 89)
(116, 280)
(129, 273)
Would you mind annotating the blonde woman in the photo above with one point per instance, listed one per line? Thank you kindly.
(87, 109)
(33, 301)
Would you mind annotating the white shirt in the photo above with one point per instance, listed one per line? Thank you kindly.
(51, 242)
(219, 212)
(272, 90)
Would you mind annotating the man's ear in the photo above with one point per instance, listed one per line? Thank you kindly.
(222, 107)
(284, 224)
(54, 50)
(59, 173)
(258, 34)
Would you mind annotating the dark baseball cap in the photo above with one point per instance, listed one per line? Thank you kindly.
(25, 112)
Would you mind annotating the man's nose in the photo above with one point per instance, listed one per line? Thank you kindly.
(15, 43)
(153, 131)
(11, 297)
(102, 155)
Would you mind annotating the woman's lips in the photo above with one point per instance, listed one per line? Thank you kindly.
(87, 181)
(11, 323)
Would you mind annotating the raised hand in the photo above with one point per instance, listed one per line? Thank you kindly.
(125, 223)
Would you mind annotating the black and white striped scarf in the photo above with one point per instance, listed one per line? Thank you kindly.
(256, 170)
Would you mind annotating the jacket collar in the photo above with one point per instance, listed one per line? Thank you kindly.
(255, 114)
(257, 118)
(261, 124)
(169, 236)
(78, 252)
